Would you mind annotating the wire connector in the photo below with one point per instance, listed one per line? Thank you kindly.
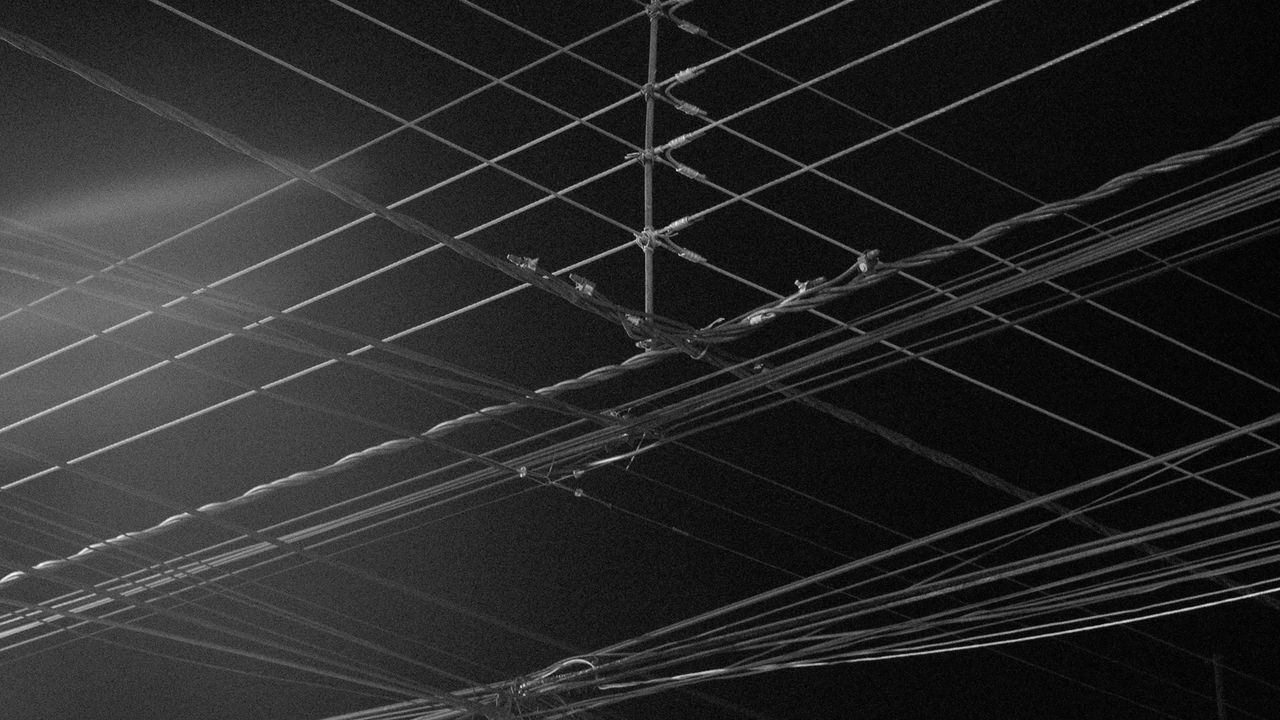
(760, 318)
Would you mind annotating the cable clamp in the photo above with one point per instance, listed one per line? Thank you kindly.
(868, 261)
(679, 225)
(679, 141)
(684, 253)
(527, 263)
(681, 168)
(646, 239)
(684, 107)
(687, 74)
(689, 108)
(642, 156)
(690, 173)
(690, 255)
(804, 286)
(583, 285)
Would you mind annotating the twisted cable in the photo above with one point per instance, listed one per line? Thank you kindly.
(347, 462)
(869, 271)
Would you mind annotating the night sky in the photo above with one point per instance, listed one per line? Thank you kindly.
(182, 323)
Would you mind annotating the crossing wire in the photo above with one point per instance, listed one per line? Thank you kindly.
(355, 458)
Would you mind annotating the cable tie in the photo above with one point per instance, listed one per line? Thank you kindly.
(761, 367)
(761, 318)
(577, 492)
(523, 471)
(635, 320)
(583, 285)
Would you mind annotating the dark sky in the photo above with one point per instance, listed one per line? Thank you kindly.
(131, 394)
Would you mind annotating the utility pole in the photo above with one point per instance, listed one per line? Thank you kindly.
(647, 157)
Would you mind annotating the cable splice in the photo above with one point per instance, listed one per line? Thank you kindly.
(684, 25)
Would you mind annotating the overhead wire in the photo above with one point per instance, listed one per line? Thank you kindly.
(827, 549)
(52, 528)
(934, 149)
(1038, 563)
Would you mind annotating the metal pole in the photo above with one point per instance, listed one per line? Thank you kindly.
(647, 156)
